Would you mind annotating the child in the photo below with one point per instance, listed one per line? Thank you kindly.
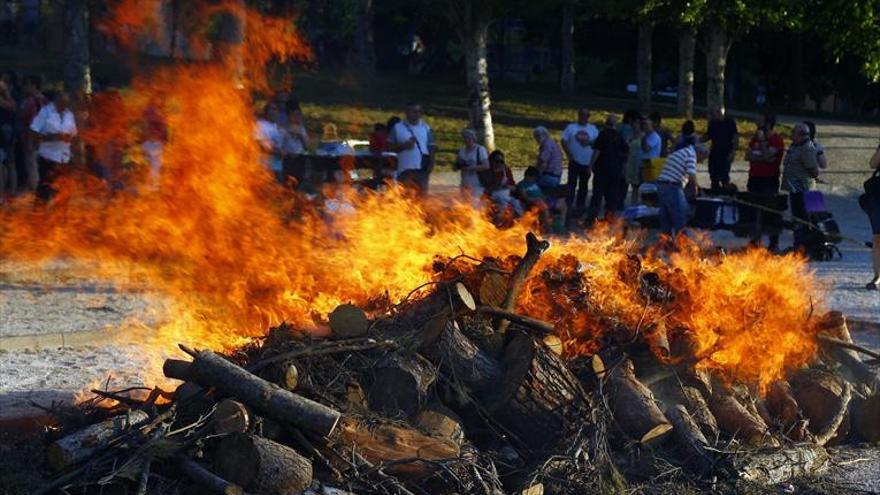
(552, 211)
(499, 191)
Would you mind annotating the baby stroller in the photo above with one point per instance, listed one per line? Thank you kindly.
(820, 239)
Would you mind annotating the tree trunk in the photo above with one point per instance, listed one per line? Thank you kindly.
(718, 47)
(643, 63)
(261, 465)
(365, 52)
(686, 45)
(77, 69)
(477, 72)
(798, 88)
(566, 59)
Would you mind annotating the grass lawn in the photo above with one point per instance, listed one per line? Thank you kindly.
(355, 104)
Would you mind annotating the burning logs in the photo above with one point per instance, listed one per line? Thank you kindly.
(210, 370)
(534, 249)
(633, 405)
(463, 361)
(688, 436)
(261, 465)
(734, 419)
(824, 400)
(539, 394)
(83, 444)
(401, 383)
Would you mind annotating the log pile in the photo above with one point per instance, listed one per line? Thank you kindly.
(453, 391)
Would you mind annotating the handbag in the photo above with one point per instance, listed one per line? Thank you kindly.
(872, 185)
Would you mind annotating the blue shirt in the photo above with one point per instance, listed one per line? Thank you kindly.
(655, 143)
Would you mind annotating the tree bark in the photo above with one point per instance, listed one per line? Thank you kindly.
(534, 249)
(735, 420)
(824, 400)
(686, 47)
(566, 59)
(77, 59)
(776, 466)
(261, 465)
(365, 51)
(206, 479)
(690, 438)
(83, 444)
(348, 321)
(457, 356)
(718, 47)
(633, 405)
(400, 385)
(644, 68)
(475, 41)
(866, 418)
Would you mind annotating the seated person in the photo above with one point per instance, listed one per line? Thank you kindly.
(500, 189)
(552, 211)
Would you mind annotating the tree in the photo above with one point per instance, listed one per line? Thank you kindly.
(77, 60)
(687, 43)
(846, 26)
(566, 59)
(470, 19)
(644, 65)
(365, 52)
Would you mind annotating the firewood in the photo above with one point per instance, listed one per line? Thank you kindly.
(383, 442)
(633, 405)
(534, 249)
(689, 438)
(204, 478)
(211, 370)
(463, 361)
(554, 343)
(696, 405)
(824, 399)
(777, 465)
(657, 340)
(430, 314)
(866, 418)
(230, 417)
(401, 383)
(834, 325)
(439, 421)
(538, 394)
(285, 374)
(535, 324)
(348, 321)
(261, 465)
(493, 289)
(781, 403)
(83, 444)
(735, 420)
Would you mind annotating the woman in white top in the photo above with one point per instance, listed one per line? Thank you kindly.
(472, 159)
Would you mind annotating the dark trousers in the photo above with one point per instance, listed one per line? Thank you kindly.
(799, 210)
(719, 170)
(48, 170)
(608, 188)
(417, 180)
(578, 184)
(767, 186)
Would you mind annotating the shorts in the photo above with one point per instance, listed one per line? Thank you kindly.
(874, 215)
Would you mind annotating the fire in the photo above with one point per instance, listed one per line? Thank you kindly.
(217, 238)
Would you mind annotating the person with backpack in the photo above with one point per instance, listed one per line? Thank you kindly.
(608, 164)
(872, 196)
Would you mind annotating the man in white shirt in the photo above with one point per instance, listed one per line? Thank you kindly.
(54, 127)
(577, 142)
(413, 141)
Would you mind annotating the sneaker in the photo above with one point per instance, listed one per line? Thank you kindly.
(875, 285)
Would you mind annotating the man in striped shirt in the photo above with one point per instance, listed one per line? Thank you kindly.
(679, 171)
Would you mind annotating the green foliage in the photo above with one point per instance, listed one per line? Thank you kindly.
(848, 26)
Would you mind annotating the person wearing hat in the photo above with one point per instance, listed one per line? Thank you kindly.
(679, 173)
(472, 160)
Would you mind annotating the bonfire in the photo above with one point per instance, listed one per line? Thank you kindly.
(410, 346)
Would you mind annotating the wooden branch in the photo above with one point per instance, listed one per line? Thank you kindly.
(834, 327)
(535, 324)
(201, 476)
(211, 370)
(329, 347)
(823, 398)
(83, 444)
(828, 432)
(534, 249)
(735, 420)
(847, 345)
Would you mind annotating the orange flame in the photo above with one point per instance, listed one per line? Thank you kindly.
(216, 237)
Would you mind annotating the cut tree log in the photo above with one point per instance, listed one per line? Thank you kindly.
(696, 405)
(211, 370)
(781, 403)
(735, 420)
(866, 418)
(285, 374)
(777, 465)
(439, 421)
(204, 478)
(690, 439)
(430, 314)
(834, 325)
(493, 289)
(463, 361)
(657, 340)
(554, 343)
(535, 324)
(534, 249)
(230, 416)
(384, 442)
(538, 395)
(83, 444)
(261, 465)
(348, 321)
(823, 398)
(401, 383)
(633, 405)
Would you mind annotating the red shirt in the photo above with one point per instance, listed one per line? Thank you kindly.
(771, 168)
(378, 141)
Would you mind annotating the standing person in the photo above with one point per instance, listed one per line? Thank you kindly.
(821, 159)
(577, 140)
(8, 173)
(549, 159)
(765, 158)
(679, 173)
(634, 161)
(651, 146)
(271, 140)
(688, 136)
(724, 136)
(31, 103)
(54, 128)
(664, 133)
(472, 159)
(413, 141)
(631, 120)
(609, 161)
(799, 171)
(874, 215)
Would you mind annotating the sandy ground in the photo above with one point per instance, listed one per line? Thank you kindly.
(58, 299)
